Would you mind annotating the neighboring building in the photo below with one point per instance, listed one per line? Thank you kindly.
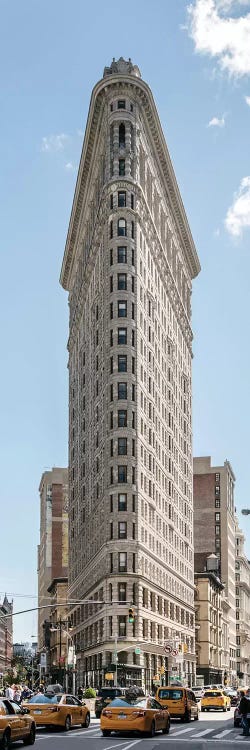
(214, 533)
(53, 547)
(128, 266)
(208, 622)
(242, 592)
(6, 634)
(58, 590)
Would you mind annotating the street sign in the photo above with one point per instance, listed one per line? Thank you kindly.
(137, 650)
(43, 660)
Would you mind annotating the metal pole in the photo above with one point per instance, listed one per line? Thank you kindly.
(116, 660)
(32, 673)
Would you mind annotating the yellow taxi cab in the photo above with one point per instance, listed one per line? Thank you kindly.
(58, 710)
(143, 715)
(15, 724)
(215, 700)
(180, 701)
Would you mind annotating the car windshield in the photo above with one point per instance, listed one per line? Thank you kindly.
(170, 694)
(109, 692)
(212, 694)
(123, 702)
(43, 698)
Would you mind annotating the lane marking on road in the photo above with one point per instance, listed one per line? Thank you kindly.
(201, 734)
(135, 742)
(222, 734)
(180, 731)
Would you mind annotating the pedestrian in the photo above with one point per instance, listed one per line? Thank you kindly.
(9, 693)
(17, 694)
(80, 693)
(244, 709)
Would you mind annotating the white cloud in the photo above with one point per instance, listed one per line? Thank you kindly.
(247, 100)
(54, 142)
(238, 215)
(69, 166)
(216, 122)
(226, 38)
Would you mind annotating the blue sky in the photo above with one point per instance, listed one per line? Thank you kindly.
(196, 58)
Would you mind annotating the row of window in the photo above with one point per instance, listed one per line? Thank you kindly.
(122, 562)
(122, 503)
(122, 309)
(121, 104)
(122, 391)
(122, 419)
(122, 229)
(121, 282)
(122, 337)
(122, 474)
(122, 200)
(122, 255)
(122, 530)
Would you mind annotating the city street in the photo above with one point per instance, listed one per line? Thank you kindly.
(211, 730)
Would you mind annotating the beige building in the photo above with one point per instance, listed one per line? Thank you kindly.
(59, 639)
(53, 547)
(214, 533)
(128, 266)
(6, 634)
(242, 593)
(208, 624)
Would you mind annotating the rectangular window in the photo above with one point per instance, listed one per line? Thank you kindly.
(121, 199)
(110, 625)
(122, 446)
(122, 335)
(133, 474)
(121, 104)
(217, 478)
(122, 167)
(122, 308)
(133, 310)
(111, 230)
(122, 592)
(121, 281)
(133, 283)
(111, 447)
(111, 310)
(122, 501)
(217, 489)
(111, 365)
(122, 562)
(122, 530)
(133, 447)
(133, 337)
(133, 420)
(111, 562)
(132, 200)
(111, 503)
(111, 392)
(122, 626)
(111, 530)
(133, 365)
(111, 283)
(217, 530)
(133, 257)
(111, 420)
(122, 474)
(111, 256)
(217, 516)
(122, 418)
(133, 230)
(133, 503)
(133, 530)
(121, 254)
(217, 502)
(122, 390)
(122, 363)
(111, 475)
(133, 392)
(111, 337)
(111, 201)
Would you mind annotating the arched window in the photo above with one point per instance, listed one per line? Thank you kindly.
(121, 135)
(122, 228)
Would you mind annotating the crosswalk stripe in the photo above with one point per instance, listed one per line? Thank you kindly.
(182, 731)
(202, 734)
(221, 734)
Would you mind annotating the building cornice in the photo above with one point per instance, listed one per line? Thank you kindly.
(161, 155)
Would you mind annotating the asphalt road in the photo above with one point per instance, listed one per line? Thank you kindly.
(213, 730)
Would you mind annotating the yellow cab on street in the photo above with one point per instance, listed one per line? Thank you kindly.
(215, 700)
(58, 710)
(143, 715)
(180, 701)
(15, 724)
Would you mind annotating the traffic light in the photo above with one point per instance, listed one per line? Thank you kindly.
(180, 648)
(131, 615)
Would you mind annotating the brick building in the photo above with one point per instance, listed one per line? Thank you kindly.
(53, 546)
(6, 634)
(214, 533)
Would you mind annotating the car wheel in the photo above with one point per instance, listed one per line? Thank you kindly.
(202, 709)
(30, 740)
(224, 709)
(67, 724)
(228, 708)
(187, 716)
(87, 721)
(5, 744)
(166, 728)
(106, 733)
(152, 730)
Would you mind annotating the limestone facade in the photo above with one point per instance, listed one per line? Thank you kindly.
(242, 593)
(128, 267)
